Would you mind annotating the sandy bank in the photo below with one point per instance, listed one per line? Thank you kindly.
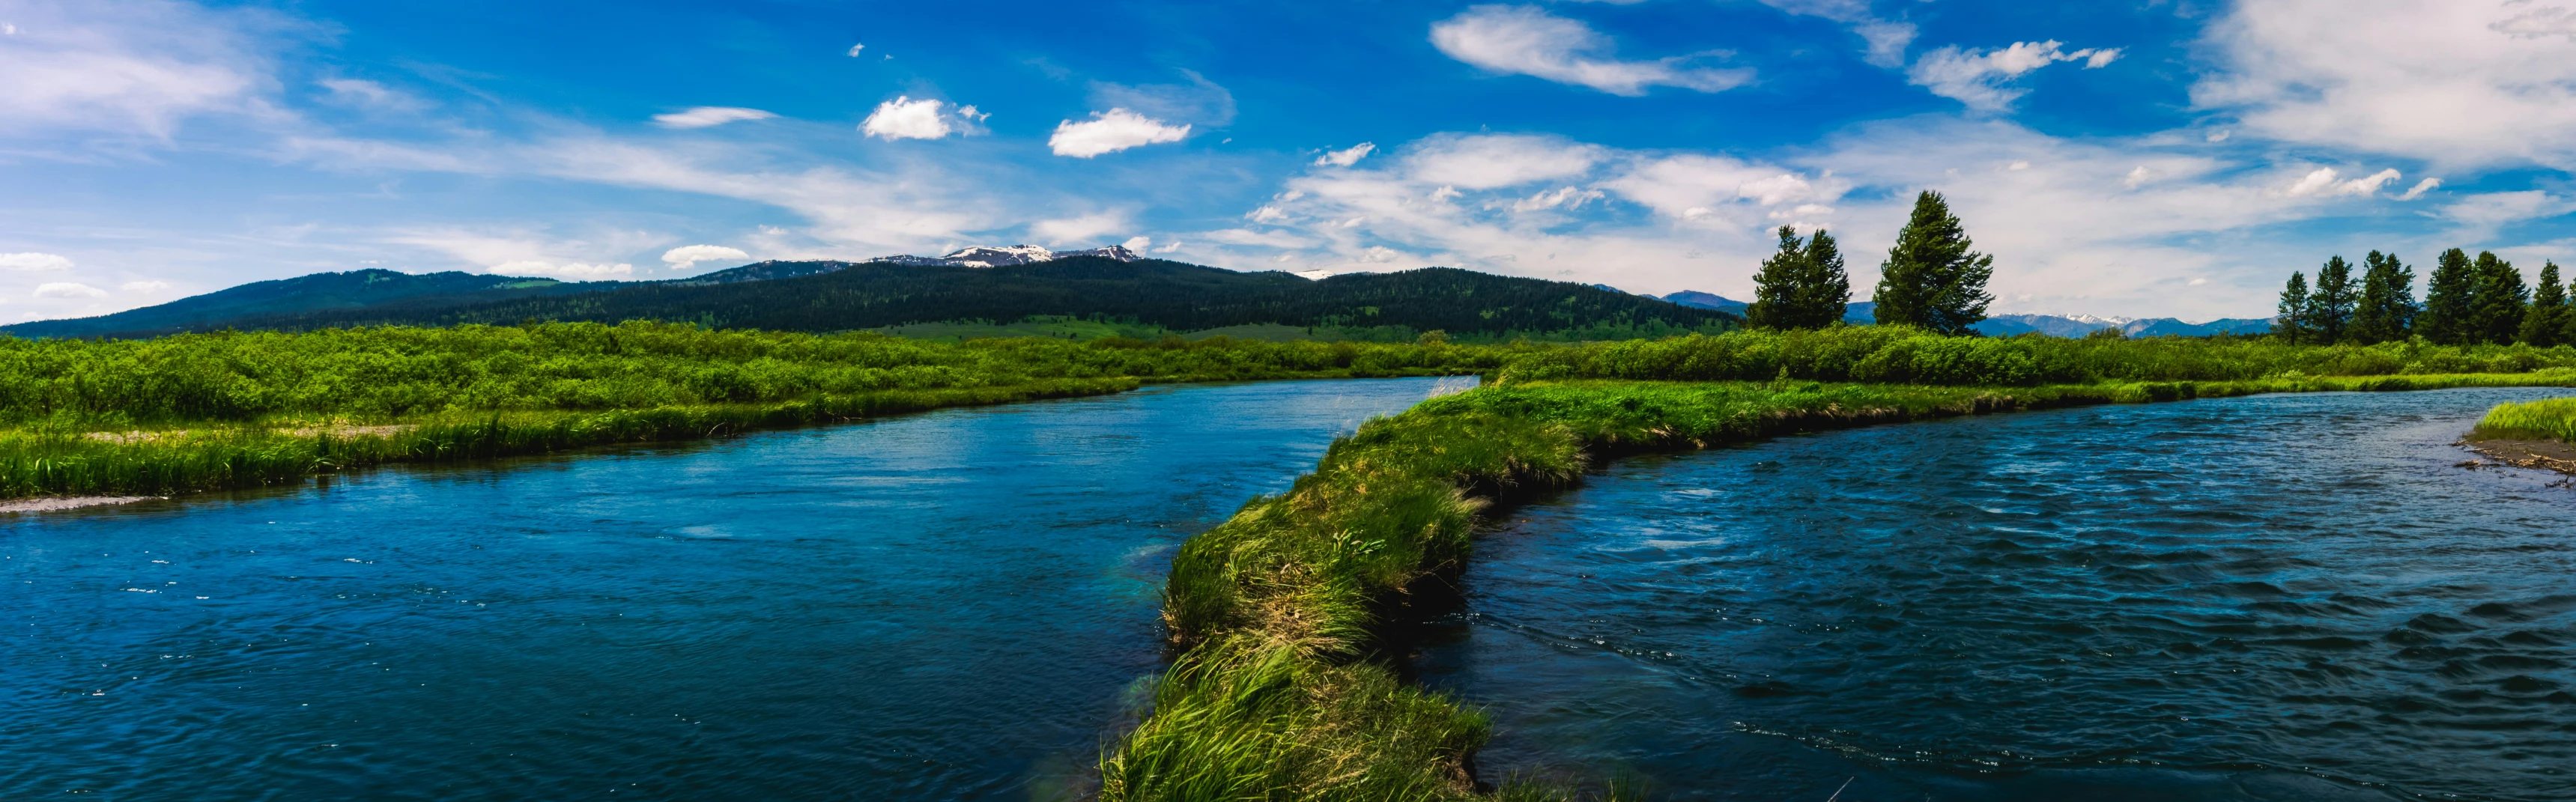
(67, 502)
(2548, 455)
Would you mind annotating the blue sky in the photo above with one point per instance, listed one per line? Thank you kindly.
(2141, 159)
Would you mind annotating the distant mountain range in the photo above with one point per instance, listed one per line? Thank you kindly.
(1860, 313)
(988, 256)
(1001, 285)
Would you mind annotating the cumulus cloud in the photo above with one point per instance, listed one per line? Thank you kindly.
(708, 116)
(522, 253)
(140, 287)
(688, 256)
(1345, 157)
(2436, 80)
(854, 50)
(68, 289)
(34, 261)
(906, 118)
(2322, 183)
(1978, 77)
(1524, 40)
(1111, 131)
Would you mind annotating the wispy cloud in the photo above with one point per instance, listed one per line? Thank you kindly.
(1981, 78)
(1525, 40)
(708, 116)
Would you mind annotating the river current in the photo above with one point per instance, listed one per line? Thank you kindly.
(937, 606)
(2295, 597)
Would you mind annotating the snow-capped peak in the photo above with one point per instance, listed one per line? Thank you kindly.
(2106, 321)
(990, 256)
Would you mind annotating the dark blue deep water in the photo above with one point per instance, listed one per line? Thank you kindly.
(938, 606)
(2283, 598)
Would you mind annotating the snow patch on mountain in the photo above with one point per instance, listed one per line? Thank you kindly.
(990, 256)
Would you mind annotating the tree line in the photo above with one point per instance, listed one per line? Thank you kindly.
(2467, 301)
(1932, 278)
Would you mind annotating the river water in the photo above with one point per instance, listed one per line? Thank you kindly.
(937, 606)
(2293, 597)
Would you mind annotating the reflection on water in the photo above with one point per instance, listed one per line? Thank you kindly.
(938, 606)
(2282, 597)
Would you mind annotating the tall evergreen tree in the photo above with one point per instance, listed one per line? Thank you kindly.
(1775, 286)
(2450, 300)
(2291, 325)
(2501, 299)
(2386, 309)
(1931, 278)
(2330, 307)
(1826, 293)
(2546, 324)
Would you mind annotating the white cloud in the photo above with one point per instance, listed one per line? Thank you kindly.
(1524, 40)
(2321, 182)
(1886, 39)
(706, 116)
(137, 66)
(67, 289)
(1347, 157)
(1977, 77)
(2137, 177)
(1084, 229)
(1565, 197)
(34, 261)
(368, 95)
(2450, 82)
(906, 118)
(2421, 187)
(1137, 244)
(577, 271)
(1502, 160)
(854, 50)
(1199, 102)
(144, 286)
(688, 256)
(1111, 131)
(2480, 215)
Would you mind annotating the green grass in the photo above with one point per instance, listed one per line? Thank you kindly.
(1282, 689)
(208, 411)
(2547, 419)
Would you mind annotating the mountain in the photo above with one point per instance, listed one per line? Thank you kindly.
(988, 256)
(839, 296)
(356, 289)
(2163, 326)
(1701, 300)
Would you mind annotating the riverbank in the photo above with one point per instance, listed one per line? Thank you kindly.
(1286, 684)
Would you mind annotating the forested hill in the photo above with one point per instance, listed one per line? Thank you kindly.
(356, 289)
(835, 296)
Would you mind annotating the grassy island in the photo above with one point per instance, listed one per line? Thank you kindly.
(1283, 687)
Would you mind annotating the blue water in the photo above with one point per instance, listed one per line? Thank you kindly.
(937, 606)
(2280, 598)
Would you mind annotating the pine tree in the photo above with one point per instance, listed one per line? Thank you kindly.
(2501, 299)
(2449, 300)
(2294, 306)
(1826, 292)
(1931, 278)
(2329, 312)
(1775, 286)
(2386, 309)
(2546, 324)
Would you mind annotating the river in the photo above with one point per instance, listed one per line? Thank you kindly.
(936, 606)
(2293, 597)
